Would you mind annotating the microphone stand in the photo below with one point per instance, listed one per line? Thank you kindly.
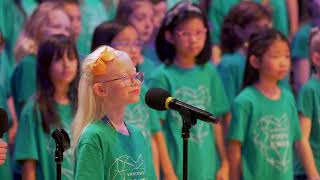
(187, 122)
(62, 143)
(58, 157)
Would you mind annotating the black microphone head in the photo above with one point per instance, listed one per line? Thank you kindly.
(156, 98)
(4, 125)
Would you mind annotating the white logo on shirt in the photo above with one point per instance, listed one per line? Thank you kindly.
(125, 167)
(271, 135)
(199, 98)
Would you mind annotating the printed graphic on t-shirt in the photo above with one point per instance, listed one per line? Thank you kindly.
(126, 167)
(271, 136)
(199, 98)
(138, 116)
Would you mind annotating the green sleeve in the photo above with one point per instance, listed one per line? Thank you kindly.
(158, 80)
(239, 122)
(23, 82)
(26, 141)
(305, 102)
(227, 81)
(220, 104)
(299, 45)
(89, 163)
(296, 125)
(154, 122)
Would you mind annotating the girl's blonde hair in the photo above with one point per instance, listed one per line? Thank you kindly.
(89, 106)
(31, 35)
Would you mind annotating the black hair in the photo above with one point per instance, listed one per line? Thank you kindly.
(174, 17)
(106, 32)
(259, 43)
(239, 17)
(50, 50)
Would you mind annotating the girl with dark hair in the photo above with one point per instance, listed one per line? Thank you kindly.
(264, 125)
(125, 38)
(52, 107)
(139, 13)
(243, 19)
(184, 45)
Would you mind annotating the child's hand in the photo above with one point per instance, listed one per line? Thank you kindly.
(223, 172)
(3, 151)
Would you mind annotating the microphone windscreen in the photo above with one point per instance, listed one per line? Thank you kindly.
(156, 97)
(4, 125)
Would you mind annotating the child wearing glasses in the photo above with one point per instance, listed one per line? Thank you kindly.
(106, 147)
(124, 37)
(183, 44)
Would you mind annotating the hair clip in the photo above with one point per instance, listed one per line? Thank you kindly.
(99, 67)
(181, 7)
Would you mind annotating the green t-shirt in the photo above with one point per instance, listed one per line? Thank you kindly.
(23, 82)
(217, 11)
(11, 22)
(299, 44)
(33, 143)
(266, 130)
(5, 73)
(93, 12)
(309, 105)
(231, 69)
(151, 54)
(29, 6)
(104, 153)
(143, 117)
(201, 87)
(280, 18)
(147, 68)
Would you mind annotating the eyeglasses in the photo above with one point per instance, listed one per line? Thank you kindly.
(129, 80)
(126, 44)
(187, 34)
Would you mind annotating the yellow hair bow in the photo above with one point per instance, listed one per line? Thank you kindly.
(99, 67)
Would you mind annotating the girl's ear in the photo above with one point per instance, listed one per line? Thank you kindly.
(99, 90)
(169, 36)
(253, 60)
(315, 58)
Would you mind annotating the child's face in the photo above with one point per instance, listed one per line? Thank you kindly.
(189, 37)
(73, 10)
(58, 23)
(275, 64)
(142, 20)
(128, 41)
(160, 10)
(63, 70)
(121, 87)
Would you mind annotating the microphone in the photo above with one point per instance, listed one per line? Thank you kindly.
(4, 125)
(160, 99)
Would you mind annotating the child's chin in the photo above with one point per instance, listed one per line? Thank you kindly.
(134, 100)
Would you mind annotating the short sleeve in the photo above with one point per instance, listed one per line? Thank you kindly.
(305, 102)
(89, 162)
(239, 122)
(26, 141)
